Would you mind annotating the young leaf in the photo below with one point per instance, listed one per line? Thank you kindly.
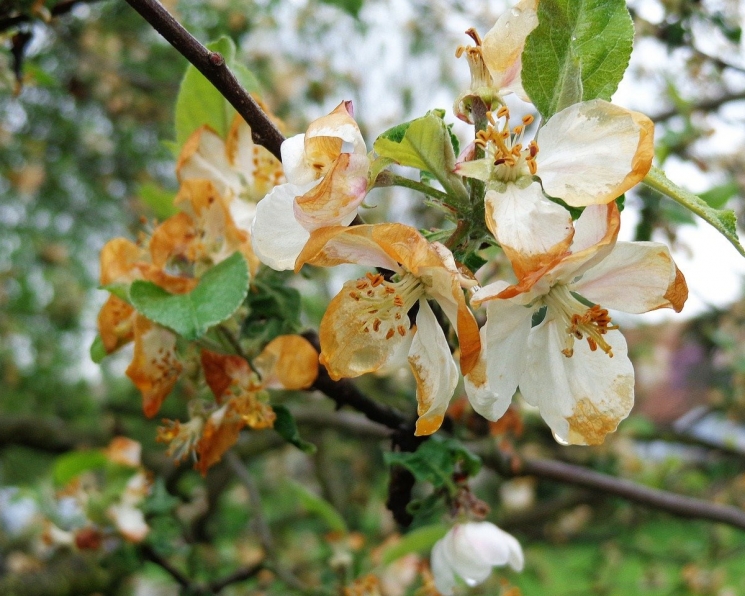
(97, 352)
(70, 465)
(286, 426)
(198, 101)
(578, 52)
(315, 504)
(725, 221)
(219, 293)
(435, 461)
(425, 144)
(158, 199)
(420, 540)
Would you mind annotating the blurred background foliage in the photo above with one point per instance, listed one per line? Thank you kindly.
(87, 91)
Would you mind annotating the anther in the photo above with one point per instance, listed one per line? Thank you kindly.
(528, 120)
(503, 112)
(474, 35)
(390, 334)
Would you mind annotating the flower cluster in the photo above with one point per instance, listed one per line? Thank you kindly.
(221, 182)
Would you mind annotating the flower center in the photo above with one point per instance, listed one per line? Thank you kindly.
(504, 147)
(385, 304)
(582, 322)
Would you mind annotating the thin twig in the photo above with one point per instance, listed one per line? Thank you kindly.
(212, 66)
(58, 9)
(237, 576)
(707, 105)
(681, 505)
(149, 553)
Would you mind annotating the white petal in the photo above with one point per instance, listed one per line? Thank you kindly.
(296, 169)
(442, 570)
(504, 342)
(635, 277)
(584, 397)
(492, 545)
(531, 229)
(503, 45)
(210, 162)
(592, 152)
(276, 236)
(434, 369)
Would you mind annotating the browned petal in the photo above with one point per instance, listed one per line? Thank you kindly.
(115, 323)
(172, 239)
(328, 247)
(289, 362)
(468, 336)
(191, 146)
(216, 440)
(642, 160)
(677, 291)
(118, 259)
(267, 170)
(339, 194)
(155, 366)
(219, 371)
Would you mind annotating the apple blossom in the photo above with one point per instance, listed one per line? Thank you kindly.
(469, 551)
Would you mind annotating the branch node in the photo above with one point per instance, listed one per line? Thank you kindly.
(216, 59)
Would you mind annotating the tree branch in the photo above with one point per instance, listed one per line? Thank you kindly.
(702, 106)
(683, 506)
(213, 67)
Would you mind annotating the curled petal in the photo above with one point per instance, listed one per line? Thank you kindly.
(582, 398)
(635, 277)
(434, 369)
(155, 366)
(444, 286)
(379, 245)
(592, 152)
(119, 258)
(276, 236)
(532, 230)
(288, 362)
(115, 323)
(335, 200)
(503, 46)
(504, 352)
(293, 162)
(338, 124)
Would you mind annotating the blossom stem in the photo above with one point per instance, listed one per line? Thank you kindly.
(442, 197)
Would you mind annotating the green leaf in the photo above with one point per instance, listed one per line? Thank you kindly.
(578, 52)
(724, 221)
(198, 101)
(349, 6)
(160, 501)
(435, 461)
(158, 199)
(317, 505)
(219, 293)
(121, 291)
(97, 351)
(420, 540)
(286, 426)
(273, 309)
(718, 196)
(424, 144)
(70, 465)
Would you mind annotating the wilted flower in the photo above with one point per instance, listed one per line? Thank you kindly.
(327, 171)
(366, 326)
